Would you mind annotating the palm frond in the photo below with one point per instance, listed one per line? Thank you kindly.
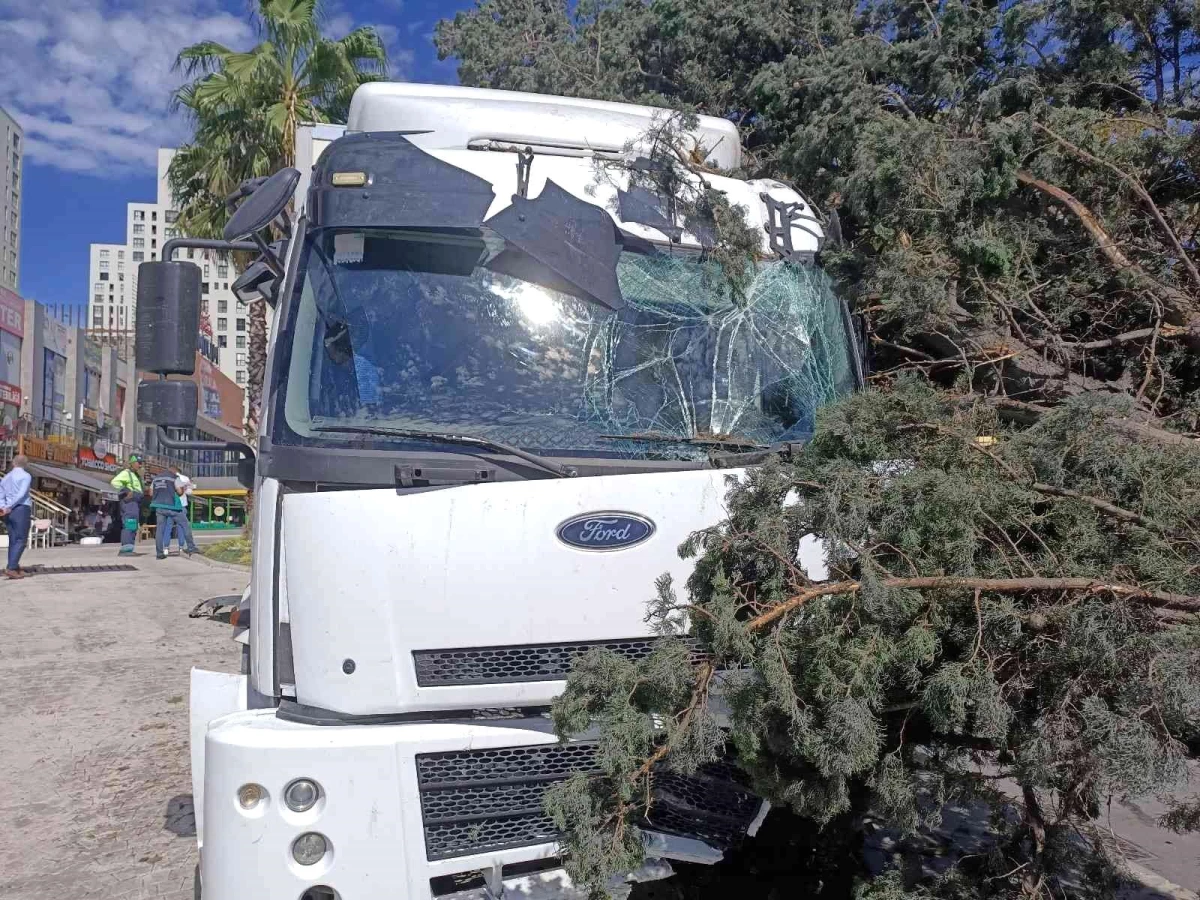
(293, 23)
(201, 58)
(364, 47)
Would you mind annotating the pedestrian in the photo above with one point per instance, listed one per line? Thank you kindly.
(17, 509)
(166, 493)
(128, 483)
(181, 481)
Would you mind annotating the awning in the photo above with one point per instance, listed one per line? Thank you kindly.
(213, 492)
(76, 477)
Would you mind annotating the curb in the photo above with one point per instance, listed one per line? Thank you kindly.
(217, 564)
(1157, 883)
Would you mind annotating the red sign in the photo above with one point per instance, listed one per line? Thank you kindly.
(89, 459)
(10, 393)
(12, 313)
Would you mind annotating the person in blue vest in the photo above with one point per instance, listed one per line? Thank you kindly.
(16, 507)
(166, 490)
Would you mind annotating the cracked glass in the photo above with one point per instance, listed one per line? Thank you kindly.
(425, 332)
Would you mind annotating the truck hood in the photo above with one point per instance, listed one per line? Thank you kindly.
(472, 597)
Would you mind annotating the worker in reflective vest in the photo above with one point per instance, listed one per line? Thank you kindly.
(130, 490)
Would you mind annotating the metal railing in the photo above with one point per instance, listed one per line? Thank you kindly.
(196, 465)
(59, 516)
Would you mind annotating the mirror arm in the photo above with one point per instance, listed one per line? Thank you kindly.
(179, 243)
(245, 189)
(268, 254)
(172, 444)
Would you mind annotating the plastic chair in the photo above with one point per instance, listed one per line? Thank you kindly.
(39, 533)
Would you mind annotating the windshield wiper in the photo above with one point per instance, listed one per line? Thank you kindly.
(731, 443)
(467, 440)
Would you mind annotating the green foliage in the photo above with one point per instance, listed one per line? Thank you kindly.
(234, 550)
(1015, 185)
(872, 698)
(245, 106)
(952, 139)
(670, 165)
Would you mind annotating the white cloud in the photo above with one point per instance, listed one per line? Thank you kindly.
(400, 57)
(90, 80)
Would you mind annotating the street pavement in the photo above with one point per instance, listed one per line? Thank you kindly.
(95, 791)
(95, 788)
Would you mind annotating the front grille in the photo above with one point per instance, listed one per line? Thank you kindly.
(441, 771)
(478, 801)
(505, 665)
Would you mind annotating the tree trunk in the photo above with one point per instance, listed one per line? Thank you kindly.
(256, 369)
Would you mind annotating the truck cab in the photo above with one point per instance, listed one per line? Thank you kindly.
(505, 382)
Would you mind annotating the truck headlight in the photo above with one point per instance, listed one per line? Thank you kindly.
(309, 849)
(301, 795)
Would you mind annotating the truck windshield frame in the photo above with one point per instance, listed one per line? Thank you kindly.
(455, 331)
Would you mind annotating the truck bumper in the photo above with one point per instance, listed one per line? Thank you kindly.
(369, 811)
(417, 810)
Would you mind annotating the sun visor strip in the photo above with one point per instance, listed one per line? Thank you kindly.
(573, 238)
(406, 188)
(409, 188)
(641, 206)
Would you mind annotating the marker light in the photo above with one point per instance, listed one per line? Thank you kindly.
(250, 795)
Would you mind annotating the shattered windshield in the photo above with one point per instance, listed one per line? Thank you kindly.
(443, 332)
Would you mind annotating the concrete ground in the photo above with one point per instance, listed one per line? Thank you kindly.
(95, 788)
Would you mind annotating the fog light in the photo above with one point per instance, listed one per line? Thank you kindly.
(309, 849)
(250, 795)
(301, 795)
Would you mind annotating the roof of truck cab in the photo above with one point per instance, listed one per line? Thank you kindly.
(455, 117)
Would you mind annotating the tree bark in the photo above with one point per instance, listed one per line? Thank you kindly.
(1181, 305)
(1136, 593)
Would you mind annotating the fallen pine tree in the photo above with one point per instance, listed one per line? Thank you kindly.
(1012, 510)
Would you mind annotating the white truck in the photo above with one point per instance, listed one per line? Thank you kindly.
(504, 384)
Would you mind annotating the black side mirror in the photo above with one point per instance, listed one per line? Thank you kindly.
(171, 404)
(245, 472)
(263, 206)
(168, 317)
(261, 281)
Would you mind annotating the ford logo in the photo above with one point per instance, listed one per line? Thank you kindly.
(605, 530)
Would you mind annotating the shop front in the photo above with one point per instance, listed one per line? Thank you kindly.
(218, 510)
(52, 464)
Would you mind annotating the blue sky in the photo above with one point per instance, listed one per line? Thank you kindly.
(89, 81)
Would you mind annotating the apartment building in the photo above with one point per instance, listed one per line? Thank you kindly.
(12, 147)
(112, 300)
(149, 225)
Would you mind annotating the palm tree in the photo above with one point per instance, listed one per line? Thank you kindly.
(245, 107)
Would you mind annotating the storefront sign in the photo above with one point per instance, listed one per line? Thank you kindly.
(88, 416)
(36, 448)
(10, 393)
(89, 458)
(12, 313)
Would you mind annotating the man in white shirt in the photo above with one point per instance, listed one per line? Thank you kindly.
(184, 486)
(16, 507)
